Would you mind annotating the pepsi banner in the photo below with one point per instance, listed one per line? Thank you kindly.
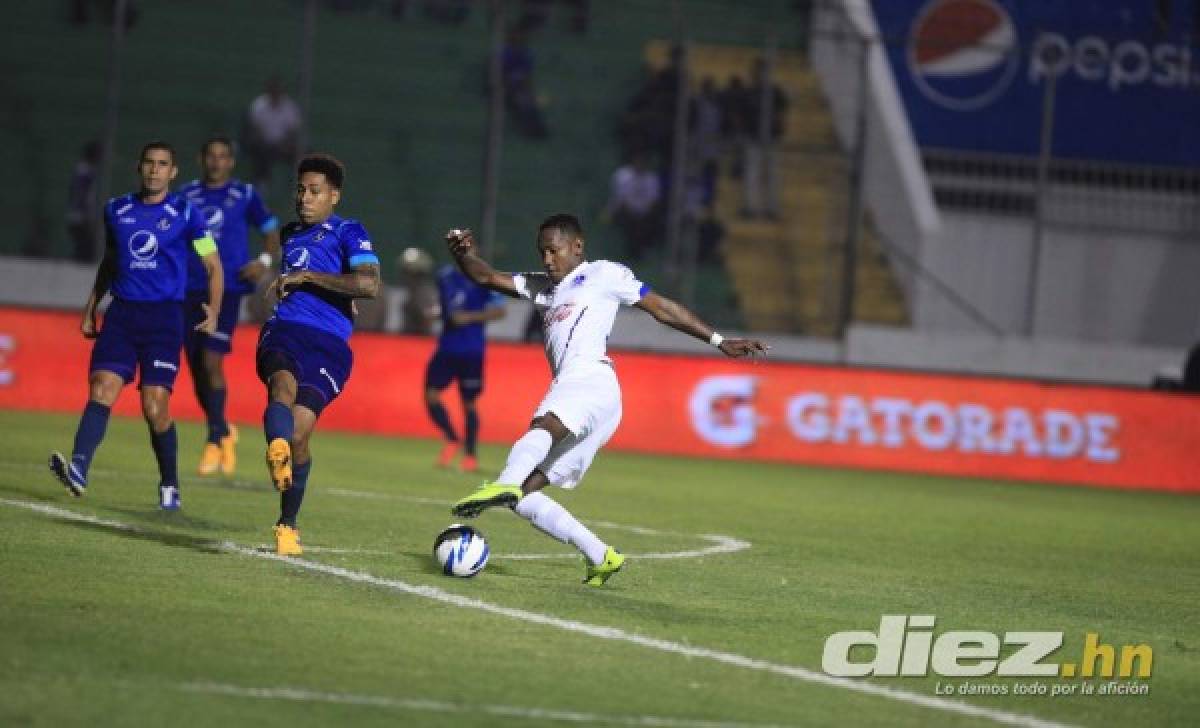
(973, 76)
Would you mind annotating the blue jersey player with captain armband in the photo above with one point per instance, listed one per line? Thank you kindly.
(466, 308)
(150, 236)
(303, 356)
(229, 207)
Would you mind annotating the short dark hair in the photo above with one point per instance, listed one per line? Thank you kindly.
(219, 139)
(157, 144)
(327, 165)
(563, 223)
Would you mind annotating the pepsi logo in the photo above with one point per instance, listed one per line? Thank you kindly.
(143, 245)
(963, 54)
(214, 217)
(296, 259)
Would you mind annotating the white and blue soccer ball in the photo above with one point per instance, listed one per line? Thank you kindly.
(461, 550)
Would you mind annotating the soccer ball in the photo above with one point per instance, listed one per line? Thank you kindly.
(460, 550)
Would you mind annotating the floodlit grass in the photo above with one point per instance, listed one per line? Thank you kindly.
(160, 622)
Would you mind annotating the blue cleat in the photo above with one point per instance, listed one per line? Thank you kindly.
(70, 476)
(168, 497)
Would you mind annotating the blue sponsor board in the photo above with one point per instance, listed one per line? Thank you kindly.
(973, 75)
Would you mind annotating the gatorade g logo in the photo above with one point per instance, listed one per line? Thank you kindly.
(962, 54)
(297, 259)
(143, 245)
(722, 410)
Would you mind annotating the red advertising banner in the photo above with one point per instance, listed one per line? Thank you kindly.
(796, 413)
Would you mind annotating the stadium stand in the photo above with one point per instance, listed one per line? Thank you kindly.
(412, 140)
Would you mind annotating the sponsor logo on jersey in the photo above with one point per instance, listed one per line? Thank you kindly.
(297, 259)
(143, 246)
(214, 217)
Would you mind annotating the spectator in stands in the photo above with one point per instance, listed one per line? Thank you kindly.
(760, 159)
(82, 206)
(704, 121)
(272, 131)
(633, 204)
(520, 96)
(648, 122)
(421, 307)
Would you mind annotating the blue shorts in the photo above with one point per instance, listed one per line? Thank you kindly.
(319, 360)
(446, 367)
(220, 340)
(140, 335)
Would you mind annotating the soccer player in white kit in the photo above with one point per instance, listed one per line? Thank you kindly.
(578, 300)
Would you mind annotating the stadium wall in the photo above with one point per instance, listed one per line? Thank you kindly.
(680, 405)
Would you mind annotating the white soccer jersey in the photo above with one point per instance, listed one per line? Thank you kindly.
(578, 313)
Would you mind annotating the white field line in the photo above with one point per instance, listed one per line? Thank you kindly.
(600, 632)
(436, 706)
(720, 544)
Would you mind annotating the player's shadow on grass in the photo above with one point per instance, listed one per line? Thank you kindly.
(139, 533)
(177, 518)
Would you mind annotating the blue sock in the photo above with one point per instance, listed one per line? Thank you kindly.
(440, 418)
(92, 425)
(166, 446)
(290, 499)
(278, 422)
(214, 408)
(472, 418)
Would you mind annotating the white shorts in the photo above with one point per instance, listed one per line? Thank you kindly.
(588, 404)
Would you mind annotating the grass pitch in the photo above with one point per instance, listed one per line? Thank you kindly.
(138, 617)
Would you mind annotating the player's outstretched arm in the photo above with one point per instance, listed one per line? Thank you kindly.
(362, 281)
(462, 247)
(678, 317)
(104, 278)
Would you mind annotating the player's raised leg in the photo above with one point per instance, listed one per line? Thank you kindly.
(103, 388)
(526, 454)
(279, 423)
(287, 533)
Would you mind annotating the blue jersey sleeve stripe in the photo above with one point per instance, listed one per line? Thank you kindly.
(271, 224)
(362, 258)
(643, 291)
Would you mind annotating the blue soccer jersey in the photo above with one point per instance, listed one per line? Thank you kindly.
(228, 211)
(335, 247)
(152, 245)
(458, 293)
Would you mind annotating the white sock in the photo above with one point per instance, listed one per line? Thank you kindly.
(557, 522)
(526, 454)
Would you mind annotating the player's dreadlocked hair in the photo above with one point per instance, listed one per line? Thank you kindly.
(325, 164)
(566, 224)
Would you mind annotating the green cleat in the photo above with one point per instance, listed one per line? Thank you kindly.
(598, 574)
(489, 495)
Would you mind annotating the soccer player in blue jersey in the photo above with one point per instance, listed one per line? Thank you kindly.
(229, 207)
(466, 308)
(303, 357)
(149, 234)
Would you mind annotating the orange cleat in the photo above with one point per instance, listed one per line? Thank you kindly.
(446, 457)
(469, 464)
(210, 459)
(229, 451)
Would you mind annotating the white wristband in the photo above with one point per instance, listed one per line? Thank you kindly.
(266, 259)
(716, 339)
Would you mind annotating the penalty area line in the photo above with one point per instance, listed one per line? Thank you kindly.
(614, 634)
